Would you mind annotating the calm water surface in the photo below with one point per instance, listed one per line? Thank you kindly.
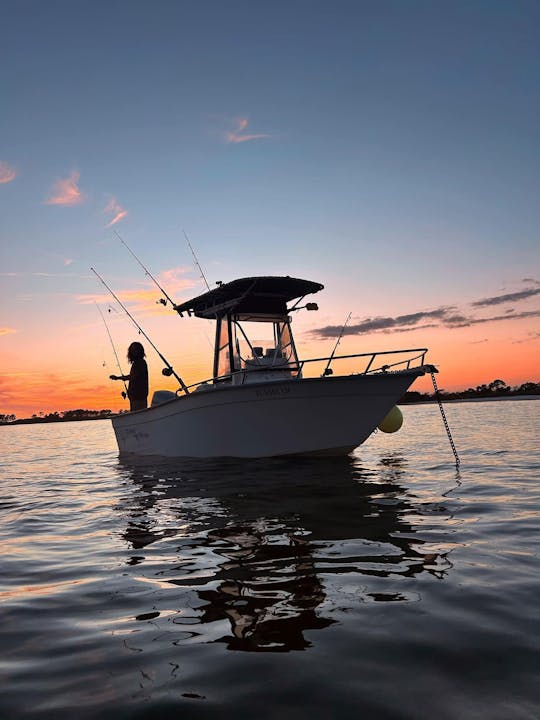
(377, 586)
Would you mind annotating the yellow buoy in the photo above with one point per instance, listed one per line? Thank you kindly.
(392, 422)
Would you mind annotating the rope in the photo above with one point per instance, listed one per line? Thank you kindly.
(445, 421)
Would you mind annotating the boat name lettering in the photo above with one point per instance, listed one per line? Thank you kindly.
(272, 392)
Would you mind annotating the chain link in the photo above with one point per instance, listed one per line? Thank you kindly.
(445, 421)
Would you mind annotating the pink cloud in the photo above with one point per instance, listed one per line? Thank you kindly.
(7, 331)
(7, 173)
(144, 299)
(116, 210)
(66, 192)
(237, 135)
(99, 298)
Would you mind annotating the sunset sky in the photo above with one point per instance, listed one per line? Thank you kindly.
(386, 149)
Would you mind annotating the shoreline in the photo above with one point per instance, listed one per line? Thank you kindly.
(445, 401)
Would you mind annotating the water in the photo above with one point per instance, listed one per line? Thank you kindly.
(377, 586)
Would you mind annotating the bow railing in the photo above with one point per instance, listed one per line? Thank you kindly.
(415, 358)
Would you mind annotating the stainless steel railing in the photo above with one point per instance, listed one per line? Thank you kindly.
(415, 358)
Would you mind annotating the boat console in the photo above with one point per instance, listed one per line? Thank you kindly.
(250, 308)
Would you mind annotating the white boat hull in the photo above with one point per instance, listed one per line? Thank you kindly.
(312, 416)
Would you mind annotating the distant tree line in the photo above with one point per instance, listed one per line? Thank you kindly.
(497, 388)
(65, 416)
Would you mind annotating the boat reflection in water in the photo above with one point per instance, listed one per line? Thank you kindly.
(270, 549)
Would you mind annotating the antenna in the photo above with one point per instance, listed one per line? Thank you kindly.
(196, 261)
(328, 370)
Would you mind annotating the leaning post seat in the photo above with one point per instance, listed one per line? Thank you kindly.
(161, 396)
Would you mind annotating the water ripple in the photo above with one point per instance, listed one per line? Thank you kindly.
(383, 585)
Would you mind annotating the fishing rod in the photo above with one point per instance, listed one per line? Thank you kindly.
(161, 301)
(167, 371)
(327, 370)
(124, 391)
(196, 261)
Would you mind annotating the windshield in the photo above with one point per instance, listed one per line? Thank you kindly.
(268, 343)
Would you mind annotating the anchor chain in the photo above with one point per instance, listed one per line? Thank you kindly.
(445, 421)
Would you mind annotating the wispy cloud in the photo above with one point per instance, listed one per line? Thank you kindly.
(113, 208)
(7, 331)
(400, 324)
(239, 134)
(145, 299)
(530, 338)
(141, 300)
(44, 275)
(385, 323)
(137, 298)
(495, 318)
(7, 173)
(59, 275)
(174, 280)
(68, 261)
(66, 191)
(446, 316)
(509, 297)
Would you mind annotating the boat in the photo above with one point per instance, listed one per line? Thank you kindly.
(263, 400)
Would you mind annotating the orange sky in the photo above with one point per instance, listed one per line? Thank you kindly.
(54, 363)
(389, 153)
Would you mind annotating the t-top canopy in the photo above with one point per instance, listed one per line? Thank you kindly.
(267, 295)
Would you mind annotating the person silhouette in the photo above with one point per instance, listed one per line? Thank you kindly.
(138, 377)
